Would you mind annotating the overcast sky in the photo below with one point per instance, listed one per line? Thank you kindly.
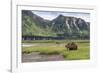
(49, 15)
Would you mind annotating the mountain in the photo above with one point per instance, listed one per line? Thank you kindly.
(61, 26)
(34, 25)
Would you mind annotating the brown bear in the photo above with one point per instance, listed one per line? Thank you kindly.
(71, 46)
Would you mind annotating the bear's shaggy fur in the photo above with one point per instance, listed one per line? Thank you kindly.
(71, 46)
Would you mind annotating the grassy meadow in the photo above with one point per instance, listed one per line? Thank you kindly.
(57, 47)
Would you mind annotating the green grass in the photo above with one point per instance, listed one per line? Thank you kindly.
(54, 41)
(52, 48)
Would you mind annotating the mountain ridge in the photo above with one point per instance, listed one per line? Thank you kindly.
(65, 26)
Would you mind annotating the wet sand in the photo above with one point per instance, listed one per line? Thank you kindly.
(36, 57)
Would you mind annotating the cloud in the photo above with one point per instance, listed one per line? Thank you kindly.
(49, 15)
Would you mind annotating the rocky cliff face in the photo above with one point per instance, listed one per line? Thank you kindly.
(70, 24)
(65, 26)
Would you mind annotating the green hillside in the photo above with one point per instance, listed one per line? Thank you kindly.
(63, 26)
